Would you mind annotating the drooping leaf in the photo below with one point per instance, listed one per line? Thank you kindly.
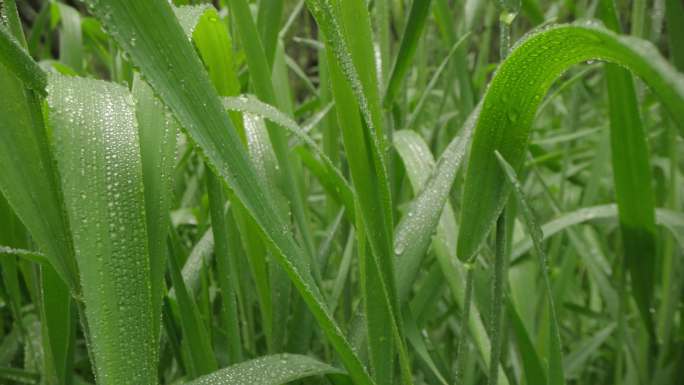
(516, 91)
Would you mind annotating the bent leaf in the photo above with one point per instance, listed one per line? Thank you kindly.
(514, 94)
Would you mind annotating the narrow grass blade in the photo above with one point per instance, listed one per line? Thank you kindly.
(275, 290)
(671, 220)
(58, 327)
(10, 19)
(631, 167)
(575, 360)
(157, 130)
(514, 94)
(380, 336)
(213, 42)
(260, 75)
(349, 40)
(444, 20)
(98, 154)
(200, 359)
(413, 28)
(532, 364)
(158, 46)
(413, 118)
(346, 28)
(268, 23)
(336, 187)
(226, 273)
(249, 104)
(674, 14)
(268, 370)
(15, 58)
(350, 57)
(555, 370)
(33, 190)
(414, 231)
(19, 375)
(70, 38)
(498, 282)
(433, 185)
(33, 256)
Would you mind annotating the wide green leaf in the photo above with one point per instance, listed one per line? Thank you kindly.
(98, 154)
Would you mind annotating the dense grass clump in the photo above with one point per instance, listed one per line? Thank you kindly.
(341, 192)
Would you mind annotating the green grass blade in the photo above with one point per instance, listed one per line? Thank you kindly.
(70, 38)
(348, 42)
(631, 167)
(249, 104)
(33, 256)
(514, 94)
(275, 289)
(11, 20)
(165, 57)
(575, 361)
(444, 20)
(671, 220)
(415, 114)
(19, 375)
(380, 336)
(200, 359)
(555, 370)
(674, 14)
(33, 190)
(268, 23)
(415, 22)
(499, 282)
(59, 327)
(226, 273)
(532, 364)
(268, 370)
(98, 154)
(433, 184)
(414, 231)
(15, 58)
(346, 27)
(337, 188)
(37, 29)
(157, 130)
(260, 75)
(213, 43)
